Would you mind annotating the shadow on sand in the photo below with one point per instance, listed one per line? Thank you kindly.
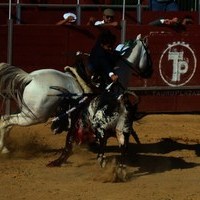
(151, 158)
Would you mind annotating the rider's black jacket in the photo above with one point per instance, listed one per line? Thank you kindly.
(102, 62)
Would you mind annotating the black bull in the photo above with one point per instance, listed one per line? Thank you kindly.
(95, 120)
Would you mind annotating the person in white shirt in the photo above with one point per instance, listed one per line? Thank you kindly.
(108, 19)
(175, 22)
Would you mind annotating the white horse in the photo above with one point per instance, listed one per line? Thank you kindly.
(34, 90)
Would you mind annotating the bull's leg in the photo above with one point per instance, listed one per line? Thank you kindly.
(70, 139)
(101, 153)
(67, 151)
(73, 126)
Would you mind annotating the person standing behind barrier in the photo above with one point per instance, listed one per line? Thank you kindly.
(163, 5)
(68, 19)
(108, 19)
(178, 24)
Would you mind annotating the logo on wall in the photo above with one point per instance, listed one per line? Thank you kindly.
(177, 64)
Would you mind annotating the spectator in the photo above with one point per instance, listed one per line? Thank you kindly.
(69, 19)
(163, 5)
(164, 22)
(179, 24)
(187, 20)
(108, 19)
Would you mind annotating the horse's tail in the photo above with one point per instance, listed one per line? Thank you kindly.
(13, 80)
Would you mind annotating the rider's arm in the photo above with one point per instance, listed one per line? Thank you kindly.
(113, 76)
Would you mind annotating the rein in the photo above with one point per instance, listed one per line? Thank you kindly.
(129, 64)
(80, 102)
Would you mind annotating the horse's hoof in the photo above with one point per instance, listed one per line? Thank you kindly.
(5, 150)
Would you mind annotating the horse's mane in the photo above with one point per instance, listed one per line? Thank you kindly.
(13, 80)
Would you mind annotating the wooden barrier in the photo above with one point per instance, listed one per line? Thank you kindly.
(174, 86)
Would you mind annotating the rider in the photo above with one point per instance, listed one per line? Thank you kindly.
(103, 61)
(103, 58)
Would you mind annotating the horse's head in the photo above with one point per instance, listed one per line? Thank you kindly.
(137, 56)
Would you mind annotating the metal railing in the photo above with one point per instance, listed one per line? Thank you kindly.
(78, 7)
(185, 5)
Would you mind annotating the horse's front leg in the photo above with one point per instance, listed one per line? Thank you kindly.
(123, 140)
(121, 172)
(135, 136)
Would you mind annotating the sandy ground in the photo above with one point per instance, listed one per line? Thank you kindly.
(166, 166)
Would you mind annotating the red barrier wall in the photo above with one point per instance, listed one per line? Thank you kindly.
(174, 86)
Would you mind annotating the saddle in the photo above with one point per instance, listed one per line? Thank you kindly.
(84, 73)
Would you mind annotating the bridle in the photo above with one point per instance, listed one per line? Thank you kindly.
(129, 45)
